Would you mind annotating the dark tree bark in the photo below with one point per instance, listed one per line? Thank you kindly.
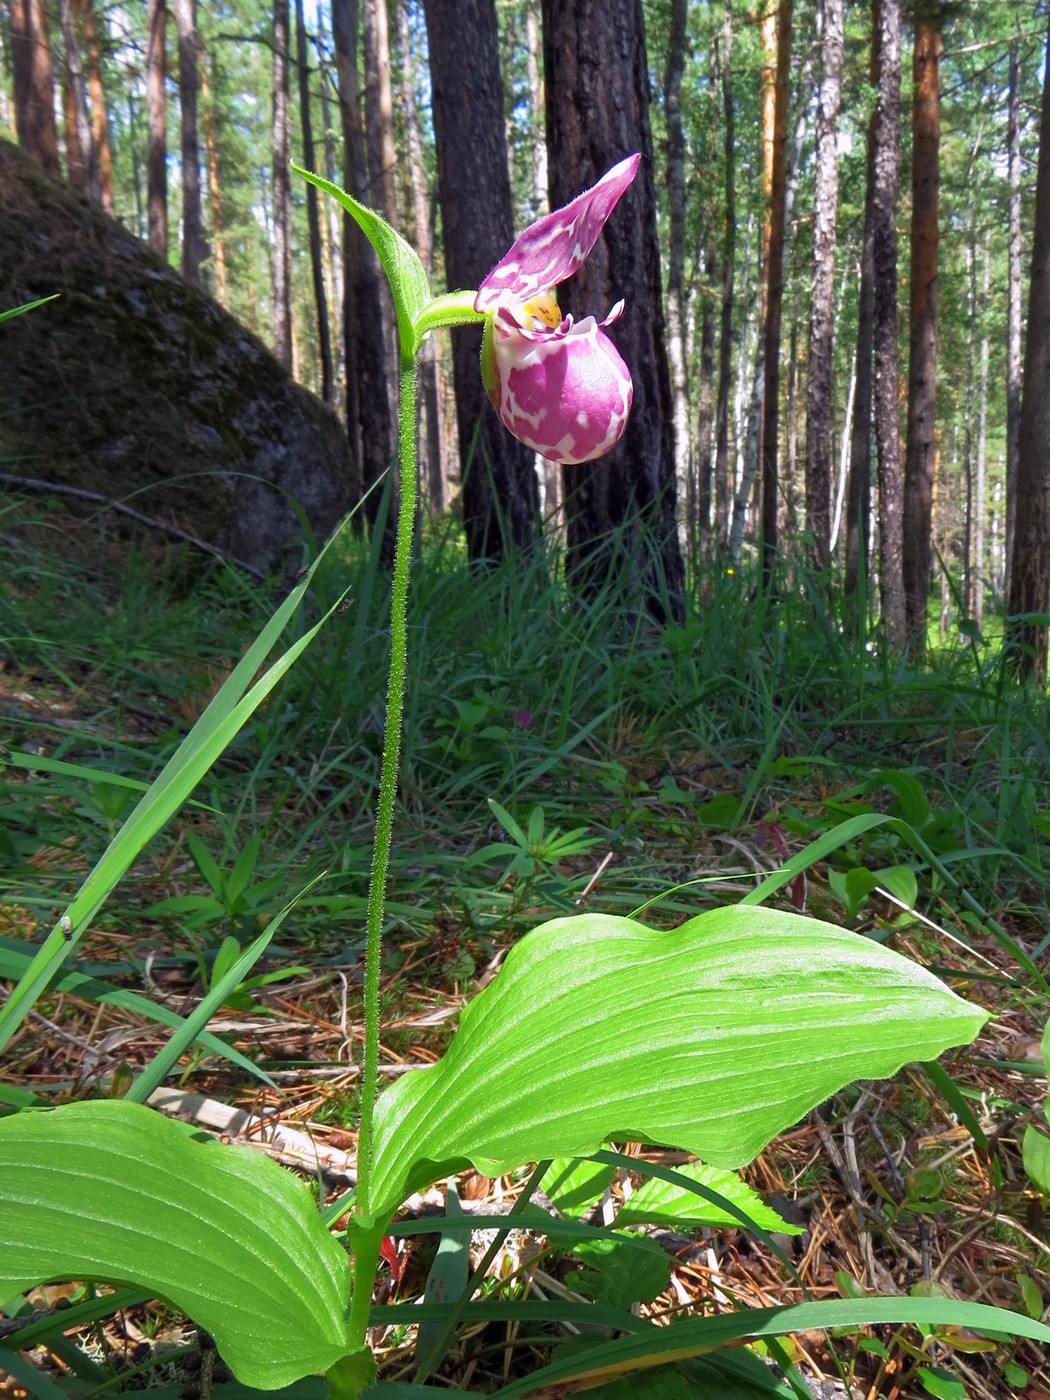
(921, 449)
(500, 489)
(280, 183)
(193, 247)
(775, 298)
(1030, 562)
(34, 83)
(886, 153)
(85, 11)
(313, 214)
(211, 164)
(819, 386)
(157, 123)
(725, 345)
(620, 510)
(368, 406)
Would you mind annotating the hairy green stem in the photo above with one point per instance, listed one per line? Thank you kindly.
(395, 702)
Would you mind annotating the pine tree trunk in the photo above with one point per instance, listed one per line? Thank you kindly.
(193, 248)
(500, 489)
(1013, 309)
(620, 510)
(34, 83)
(211, 160)
(334, 242)
(774, 299)
(1030, 561)
(980, 480)
(313, 214)
(884, 251)
(676, 295)
(723, 493)
(281, 310)
(82, 168)
(157, 126)
(534, 61)
(369, 413)
(820, 399)
(701, 543)
(85, 10)
(922, 362)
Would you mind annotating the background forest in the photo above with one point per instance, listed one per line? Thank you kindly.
(786, 644)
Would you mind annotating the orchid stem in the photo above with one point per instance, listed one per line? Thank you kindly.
(395, 703)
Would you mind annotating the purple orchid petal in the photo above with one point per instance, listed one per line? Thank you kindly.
(551, 249)
(566, 393)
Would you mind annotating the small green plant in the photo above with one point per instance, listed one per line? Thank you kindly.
(1035, 1146)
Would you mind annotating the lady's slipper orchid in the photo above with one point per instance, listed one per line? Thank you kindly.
(559, 385)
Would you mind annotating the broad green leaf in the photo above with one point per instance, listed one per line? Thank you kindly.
(712, 1038)
(657, 1202)
(1035, 1153)
(446, 1282)
(112, 1192)
(405, 273)
(620, 1272)
(574, 1186)
(698, 1336)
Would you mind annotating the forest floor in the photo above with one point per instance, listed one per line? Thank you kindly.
(913, 1185)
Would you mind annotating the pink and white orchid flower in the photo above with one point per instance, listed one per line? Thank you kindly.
(559, 385)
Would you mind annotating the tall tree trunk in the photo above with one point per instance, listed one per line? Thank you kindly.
(820, 400)
(157, 124)
(432, 456)
(193, 246)
(884, 250)
(534, 61)
(500, 489)
(81, 165)
(620, 510)
(85, 10)
(969, 415)
(980, 482)
(676, 294)
(211, 160)
(774, 297)
(1030, 561)
(725, 350)
(1013, 307)
(922, 363)
(34, 83)
(701, 544)
(313, 213)
(281, 190)
(334, 239)
(858, 493)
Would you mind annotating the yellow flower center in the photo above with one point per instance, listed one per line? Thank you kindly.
(540, 310)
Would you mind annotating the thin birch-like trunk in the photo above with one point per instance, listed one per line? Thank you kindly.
(281, 310)
(1013, 308)
(723, 491)
(313, 213)
(193, 248)
(157, 126)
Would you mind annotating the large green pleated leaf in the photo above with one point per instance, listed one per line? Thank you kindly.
(712, 1038)
(114, 1193)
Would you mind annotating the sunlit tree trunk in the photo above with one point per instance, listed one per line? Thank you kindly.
(774, 297)
(1030, 562)
(85, 11)
(980, 478)
(884, 251)
(1013, 308)
(34, 83)
(157, 126)
(620, 510)
(313, 212)
(81, 166)
(193, 248)
(858, 491)
(281, 293)
(723, 492)
(211, 161)
(701, 544)
(500, 489)
(676, 293)
(820, 400)
(922, 362)
(334, 242)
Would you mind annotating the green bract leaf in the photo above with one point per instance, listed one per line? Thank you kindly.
(710, 1038)
(657, 1202)
(405, 273)
(112, 1192)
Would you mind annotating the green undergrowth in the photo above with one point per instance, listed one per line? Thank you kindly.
(543, 733)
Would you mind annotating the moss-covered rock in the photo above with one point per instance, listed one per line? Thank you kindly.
(139, 386)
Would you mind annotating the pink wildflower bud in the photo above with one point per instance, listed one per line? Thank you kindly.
(559, 386)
